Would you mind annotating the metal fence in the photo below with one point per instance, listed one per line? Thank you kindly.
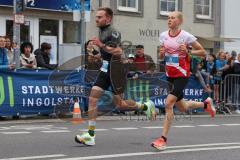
(232, 91)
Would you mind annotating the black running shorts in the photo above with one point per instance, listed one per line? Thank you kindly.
(177, 85)
(104, 81)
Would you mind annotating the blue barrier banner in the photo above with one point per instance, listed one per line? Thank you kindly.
(153, 87)
(38, 92)
(56, 5)
(24, 92)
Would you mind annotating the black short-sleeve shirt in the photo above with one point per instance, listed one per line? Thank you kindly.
(111, 37)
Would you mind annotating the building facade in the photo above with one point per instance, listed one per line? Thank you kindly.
(140, 22)
(230, 26)
(50, 22)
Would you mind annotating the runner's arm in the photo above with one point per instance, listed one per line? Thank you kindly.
(198, 49)
(114, 51)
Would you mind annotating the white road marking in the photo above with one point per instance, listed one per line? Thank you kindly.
(183, 126)
(15, 133)
(203, 145)
(152, 127)
(56, 131)
(85, 130)
(231, 124)
(36, 157)
(4, 128)
(152, 153)
(29, 126)
(40, 127)
(208, 125)
(123, 129)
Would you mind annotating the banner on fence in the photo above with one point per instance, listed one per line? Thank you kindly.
(25, 92)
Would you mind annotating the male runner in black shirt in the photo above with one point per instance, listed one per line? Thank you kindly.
(109, 41)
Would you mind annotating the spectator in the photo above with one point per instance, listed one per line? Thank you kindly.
(236, 65)
(131, 67)
(202, 76)
(93, 60)
(221, 65)
(228, 55)
(14, 45)
(211, 69)
(43, 56)
(8, 46)
(236, 70)
(27, 58)
(144, 62)
(3, 56)
(228, 69)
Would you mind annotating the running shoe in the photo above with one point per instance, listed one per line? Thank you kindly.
(210, 107)
(85, 139)
(159, 144)
(151, 111)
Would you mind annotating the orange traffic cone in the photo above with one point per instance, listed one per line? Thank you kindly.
(77, 117)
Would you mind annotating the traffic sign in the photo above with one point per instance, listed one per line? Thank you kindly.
(19, 18)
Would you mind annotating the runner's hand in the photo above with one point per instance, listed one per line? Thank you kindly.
(97, 42)
(183, 48)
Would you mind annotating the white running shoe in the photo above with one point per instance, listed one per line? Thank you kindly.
(85, 139)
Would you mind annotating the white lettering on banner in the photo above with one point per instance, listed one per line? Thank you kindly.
(46, 102)
(160, 91)
(72, 89)
(160, 102)
(59, 89)
(53, 89)
(31, 2)
(24, 89)
(193, 92)
(30, 89)
(44, 89)
(38, 102)
(37, 90)
(66, 90)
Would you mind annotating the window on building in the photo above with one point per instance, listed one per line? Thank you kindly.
(203, 9)
(128, 5)
(167, 6)
(70, 32)
(48, 27)
(24, 30)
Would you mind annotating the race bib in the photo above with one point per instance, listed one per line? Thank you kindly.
(104, 67)
(172, 60)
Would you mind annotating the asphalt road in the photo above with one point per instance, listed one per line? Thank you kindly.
(189, 139)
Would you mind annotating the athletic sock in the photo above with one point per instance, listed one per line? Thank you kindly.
(164, 138)
(91, 128)
(142, 107)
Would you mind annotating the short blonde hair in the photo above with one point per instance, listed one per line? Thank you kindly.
(180, 15)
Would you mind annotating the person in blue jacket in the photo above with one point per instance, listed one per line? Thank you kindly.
(3, 56)
(221, 65)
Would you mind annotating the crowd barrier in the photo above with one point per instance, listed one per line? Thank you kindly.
(24, 92)
(232, 90)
